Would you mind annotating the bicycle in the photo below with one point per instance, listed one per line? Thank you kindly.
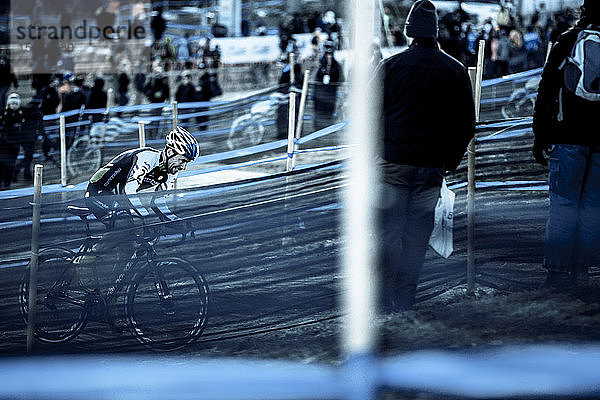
(248, 129)
(521, 102)
(170, 289)
(85, 155)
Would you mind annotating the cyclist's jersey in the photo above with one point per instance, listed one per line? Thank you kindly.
(131, 172)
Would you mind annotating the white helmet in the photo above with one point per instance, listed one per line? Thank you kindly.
(183, 143)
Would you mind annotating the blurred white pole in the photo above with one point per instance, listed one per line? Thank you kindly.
(174, 115)
(109, 99)
(476, 75)
(142, 134)
(63, 152)
(480, 61)
(35, 246)
(292, 74)
(300, 114)
(358, 213)
(359, 197)
(291, 132)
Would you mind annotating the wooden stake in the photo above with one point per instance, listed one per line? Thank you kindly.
(291, 131)
(35, 246)
(63, 152)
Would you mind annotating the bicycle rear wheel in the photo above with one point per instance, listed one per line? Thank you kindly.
(244, 132)
(83, 158)
(59, 312)
(167, 304)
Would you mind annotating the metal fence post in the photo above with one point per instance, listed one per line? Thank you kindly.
(35, 245)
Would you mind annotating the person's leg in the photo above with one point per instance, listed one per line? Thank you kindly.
(420, 220)
(392, 222)
(587, 238)
(567, 168)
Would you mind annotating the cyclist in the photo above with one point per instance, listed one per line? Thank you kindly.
(140, 170)
(131, 172)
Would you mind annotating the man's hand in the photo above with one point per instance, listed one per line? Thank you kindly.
(540, 154)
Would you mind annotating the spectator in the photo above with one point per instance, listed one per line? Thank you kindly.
(314, 21)
(139, 81)
(517, 56)
(298, 24)
(570, 137)
(71, 98)
(207, 55)
(70, 95)
(285, 86)
(158, 25)
(11, 124)
(186, 92)
(532, 42)
(32, 126)
(97, 98)
(7, 78)
(123, 87)
(316, 43)
(328, 77)
(429, 118)
(285, 34)
(209, 88)
(49, 104)
(157, 91)
(183, 50)
(50, 99)
(502, 53)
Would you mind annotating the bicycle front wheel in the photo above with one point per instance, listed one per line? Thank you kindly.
(167, 304)
(60, 300)
(83, 158)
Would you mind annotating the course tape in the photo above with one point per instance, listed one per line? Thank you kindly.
(537, 370)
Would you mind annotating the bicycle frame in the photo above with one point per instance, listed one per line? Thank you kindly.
(146, 249)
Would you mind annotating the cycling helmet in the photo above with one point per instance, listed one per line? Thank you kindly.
(183, 143)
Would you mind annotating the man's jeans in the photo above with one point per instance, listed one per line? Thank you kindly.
(407, 206)
(573, 227)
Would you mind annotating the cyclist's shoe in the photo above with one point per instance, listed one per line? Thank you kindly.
(85, 259)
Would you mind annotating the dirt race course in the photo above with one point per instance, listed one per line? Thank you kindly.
(276, 299)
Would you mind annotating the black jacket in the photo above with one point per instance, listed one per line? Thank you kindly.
(428, 109)
(579, 117)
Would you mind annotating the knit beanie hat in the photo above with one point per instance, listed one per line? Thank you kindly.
(422, 21)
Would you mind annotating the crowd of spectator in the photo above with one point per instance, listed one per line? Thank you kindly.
(512, 43)
(511, 46)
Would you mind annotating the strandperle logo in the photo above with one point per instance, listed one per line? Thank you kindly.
(84, 31)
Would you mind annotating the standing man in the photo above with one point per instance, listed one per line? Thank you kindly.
(328, 77)
(428, 118)
(566, 129)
